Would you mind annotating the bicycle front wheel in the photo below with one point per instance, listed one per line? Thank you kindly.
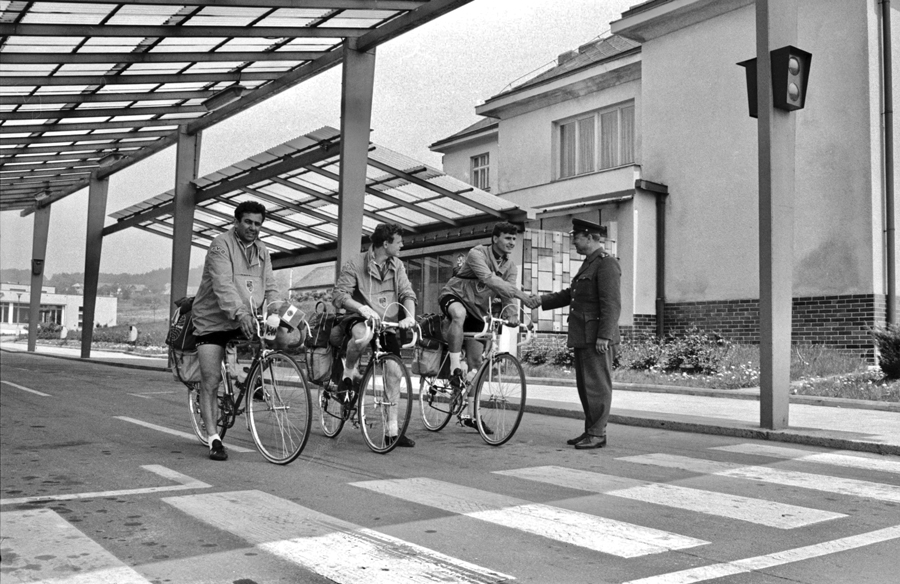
(331, 413)
(435, 402)
(279, 406)
(385, 402)
(499, 399)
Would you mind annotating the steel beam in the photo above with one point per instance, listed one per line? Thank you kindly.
(180, 57)
(38, 255)
(93, 249)
(176, 31)
(187, 164)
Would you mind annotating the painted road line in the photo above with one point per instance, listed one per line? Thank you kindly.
(873, 462)
(335, 549)
(184, 483)
(40, 546)
(23, 388)
(758, 511)
(817, 482)
(177, 432)
(150, 394)
(772, 560)
(581, 529)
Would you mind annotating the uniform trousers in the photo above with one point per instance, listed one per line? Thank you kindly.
(593, 376)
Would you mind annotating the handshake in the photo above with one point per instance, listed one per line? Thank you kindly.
(532, 301)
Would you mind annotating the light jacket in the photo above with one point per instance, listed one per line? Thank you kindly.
(237, 279)
(481, 277)
(361, 279)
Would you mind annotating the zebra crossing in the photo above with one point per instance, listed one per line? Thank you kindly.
(312, 542)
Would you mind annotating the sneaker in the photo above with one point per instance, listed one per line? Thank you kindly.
(217, 451)
(470, 423)
(403, 441)
(457, 380)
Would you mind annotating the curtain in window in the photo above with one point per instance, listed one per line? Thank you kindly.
(626, 150)
(586, 145)
(567, 150)
(609, 137)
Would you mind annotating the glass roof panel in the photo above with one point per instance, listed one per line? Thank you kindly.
(110, 44)
(271, 66)
(8, 123)
(40, 44)
(137, 14)
(85, 69)
(312, 44)
(245, 13)
(226, 19)
(14, 70)
(344, 22)
(156, 68)
(214, 67)
(59, 13)
(175, 44)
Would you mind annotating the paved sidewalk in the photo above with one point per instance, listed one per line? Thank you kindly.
(833, 423)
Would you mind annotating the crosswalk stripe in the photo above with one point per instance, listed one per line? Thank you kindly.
(833, 458)
(40, 547)
(187, 435)
(759, 511)
(581, 529)
(23, 388)
(828, 484)
(184, 483)
(722, 570)
(336, 549)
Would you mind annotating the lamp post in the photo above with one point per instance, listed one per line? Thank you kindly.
(18, 314)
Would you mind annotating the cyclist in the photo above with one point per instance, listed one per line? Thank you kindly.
(486, 273)
(369, 287)
(237, 279)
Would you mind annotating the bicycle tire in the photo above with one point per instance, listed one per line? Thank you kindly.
(436, 402)
(331, 415)
(376, 407)
(499, 399)
(197, 423)
(279, 408)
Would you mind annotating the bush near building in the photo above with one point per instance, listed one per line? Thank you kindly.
(888, 341)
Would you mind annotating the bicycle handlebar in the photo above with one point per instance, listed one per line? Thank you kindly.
(384, 324)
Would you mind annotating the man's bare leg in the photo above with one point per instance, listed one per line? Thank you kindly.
(211, 376)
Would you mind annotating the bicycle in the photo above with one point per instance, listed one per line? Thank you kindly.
(371, 405)
(498, 386)
(279, 413)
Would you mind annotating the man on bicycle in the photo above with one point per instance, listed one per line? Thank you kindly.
(237, 279)
(487, 272)
(369, 287)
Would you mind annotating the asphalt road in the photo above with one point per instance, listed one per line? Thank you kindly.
(102, 482)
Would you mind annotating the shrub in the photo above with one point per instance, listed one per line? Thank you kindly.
(641, 354)
(547, 350)
(695, 351)
(888, 340)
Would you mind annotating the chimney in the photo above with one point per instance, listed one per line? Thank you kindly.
(567, 56)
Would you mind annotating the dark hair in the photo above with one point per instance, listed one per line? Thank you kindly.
(249, 207)
(504, 227)
(384, 233)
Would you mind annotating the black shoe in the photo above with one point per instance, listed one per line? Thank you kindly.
(470, 423)
(457, 380)
(258, 395)
(591, 442)
(403, 442)
(576, 440)
(217, 451)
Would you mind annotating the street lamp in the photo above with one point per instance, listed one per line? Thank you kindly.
(18, 314)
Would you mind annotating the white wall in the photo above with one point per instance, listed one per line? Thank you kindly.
(458, 164)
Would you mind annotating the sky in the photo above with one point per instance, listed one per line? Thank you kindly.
(427, 85)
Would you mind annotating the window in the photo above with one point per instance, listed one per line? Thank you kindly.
(481, 172)
(578, 142)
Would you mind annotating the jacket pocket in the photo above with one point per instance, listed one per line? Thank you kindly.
(591, 329)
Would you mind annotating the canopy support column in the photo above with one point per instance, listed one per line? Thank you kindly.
(356, 117)
(96, 213)
(776, 26)
(187, 163)
(38, 254)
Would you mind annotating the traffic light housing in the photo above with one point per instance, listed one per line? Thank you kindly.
(790, 76)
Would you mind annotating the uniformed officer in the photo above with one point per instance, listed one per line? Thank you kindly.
(595, 303)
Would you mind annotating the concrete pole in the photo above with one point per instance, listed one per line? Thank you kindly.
(776, 26)
(187, 163)
(38, 254)
(356, 117)
(96, 213)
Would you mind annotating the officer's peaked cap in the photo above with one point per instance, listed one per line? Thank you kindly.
(582, 226)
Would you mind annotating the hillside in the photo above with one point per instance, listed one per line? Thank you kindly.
(153, 281)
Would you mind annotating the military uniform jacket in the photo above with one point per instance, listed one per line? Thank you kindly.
(594, 301)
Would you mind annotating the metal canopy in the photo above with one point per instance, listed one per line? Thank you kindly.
(298, 183)
(92, 87)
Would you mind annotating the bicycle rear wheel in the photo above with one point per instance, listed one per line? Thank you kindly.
(435, 402)
(279, 408)
(499, 399)
(330, 413)
(385, 403)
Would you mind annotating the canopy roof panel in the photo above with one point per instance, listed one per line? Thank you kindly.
(95, 86)
(298, 183)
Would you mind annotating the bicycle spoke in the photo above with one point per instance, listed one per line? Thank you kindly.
(500, 399)
(279, 406)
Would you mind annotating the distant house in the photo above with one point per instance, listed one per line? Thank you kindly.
(317, 280)
(63, 309)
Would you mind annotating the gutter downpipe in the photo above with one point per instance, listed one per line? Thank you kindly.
(660, 191)
(891, 252)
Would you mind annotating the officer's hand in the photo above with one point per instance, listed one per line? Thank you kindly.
(602, 345)
(534, 301)
(513, 320)
(407, 323)
(248, 326)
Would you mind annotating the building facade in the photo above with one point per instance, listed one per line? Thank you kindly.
(647, 131)
(64, 309)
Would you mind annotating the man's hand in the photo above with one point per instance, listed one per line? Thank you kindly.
(602, 345)
(513, 320)
(534, 301)
(367, 313)
(407, 323)
(248, 326)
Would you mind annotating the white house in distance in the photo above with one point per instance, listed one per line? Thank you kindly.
(647, 132)
(56, 308)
